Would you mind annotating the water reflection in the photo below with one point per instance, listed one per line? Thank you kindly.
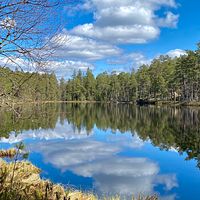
(112, 173)
(61, 131)
(167, 128)
(120, 148)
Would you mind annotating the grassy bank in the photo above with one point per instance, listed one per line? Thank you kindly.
(20, 180)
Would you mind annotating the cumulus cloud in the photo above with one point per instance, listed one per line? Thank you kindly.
(138, 59)
(16, 63)
(82, 48)
(169, 183)
(94, 150)
(65, 68)
(171, 20)
(134, 167)
(176, 53)
(129, 61)
(119, 34)
(62, 68)
(125, 175)
(71, 53)
(114, 22)
(127, 21)
(131, 141)
(120, 175)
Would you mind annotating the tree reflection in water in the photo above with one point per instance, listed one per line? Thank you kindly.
(166, 127)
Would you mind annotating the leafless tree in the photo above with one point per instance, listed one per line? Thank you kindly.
(26, 27)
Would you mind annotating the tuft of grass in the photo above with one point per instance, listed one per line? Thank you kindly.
(8, 153)
(140, 197)
(27, 184)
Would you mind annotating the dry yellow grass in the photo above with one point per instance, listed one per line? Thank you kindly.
(26, 183)
(8, 153)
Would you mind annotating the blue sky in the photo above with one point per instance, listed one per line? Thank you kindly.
(118, 35)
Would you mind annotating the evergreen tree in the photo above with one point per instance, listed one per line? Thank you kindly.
(89, 85)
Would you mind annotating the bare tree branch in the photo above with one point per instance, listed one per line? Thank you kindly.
(26, 29)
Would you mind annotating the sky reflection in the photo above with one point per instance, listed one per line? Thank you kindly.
(111, 161)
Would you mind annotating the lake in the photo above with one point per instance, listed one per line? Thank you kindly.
(111, 148)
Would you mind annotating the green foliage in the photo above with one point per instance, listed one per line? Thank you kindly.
(170, 79)
(166, 127)
(20, 86)
(105, 87)
(31, 117)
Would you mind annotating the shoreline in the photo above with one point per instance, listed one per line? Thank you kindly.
(155, 103)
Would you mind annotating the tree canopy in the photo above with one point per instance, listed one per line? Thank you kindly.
(166, 78)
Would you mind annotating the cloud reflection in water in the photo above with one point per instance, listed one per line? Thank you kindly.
(111, 172)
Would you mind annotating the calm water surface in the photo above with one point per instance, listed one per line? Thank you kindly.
(111, 149)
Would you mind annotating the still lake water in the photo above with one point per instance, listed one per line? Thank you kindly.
(111, 149)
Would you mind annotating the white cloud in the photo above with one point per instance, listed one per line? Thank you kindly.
(128, 140)
(169, 183)
(171, 20)
(129, 61)
(115, 22)
(119, 34)
(62, 68)
(123, 15)
(134, 167)
(80, 151)
(8, 23)
(138, 59)
(125, 175)
(176, 53)
(133, 60)
(121, 175)
(82, 48)
(16, 63)
(127, 21)
(170, 3)
(65, 68)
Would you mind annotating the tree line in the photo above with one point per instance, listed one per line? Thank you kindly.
(165, 78)
(21, 86)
